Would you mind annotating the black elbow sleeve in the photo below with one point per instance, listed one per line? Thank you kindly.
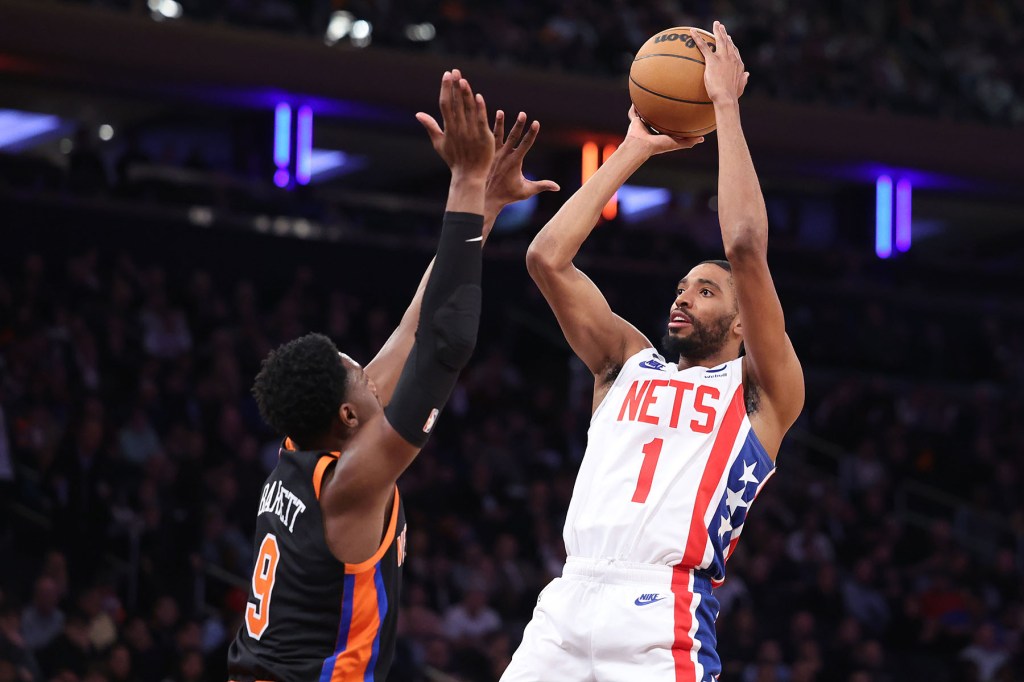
(455, 326)
(447, 331)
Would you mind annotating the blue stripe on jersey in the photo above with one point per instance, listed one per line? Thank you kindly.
(343, 628)
(382, 609)
(707, 614)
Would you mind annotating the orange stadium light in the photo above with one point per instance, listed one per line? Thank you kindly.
(590, 161)
(611, 209)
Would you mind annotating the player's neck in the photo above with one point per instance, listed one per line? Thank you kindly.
(325, 444)
(710, 361)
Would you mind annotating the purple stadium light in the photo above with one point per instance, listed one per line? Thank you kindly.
(21, 129)
(635, 202)
(304, 146)
(883, 216)
(904, 191)
(282, 143)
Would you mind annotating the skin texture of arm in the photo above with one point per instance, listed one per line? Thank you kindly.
(599, 337)
(770, 364)
(505, 184)
(357, 495)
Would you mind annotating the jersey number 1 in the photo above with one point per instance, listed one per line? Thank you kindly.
(651, 452)
(257, 616)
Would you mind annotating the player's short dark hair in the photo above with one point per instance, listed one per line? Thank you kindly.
(300, 387)
(724, 264)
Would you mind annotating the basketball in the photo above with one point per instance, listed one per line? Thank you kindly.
(666, 84)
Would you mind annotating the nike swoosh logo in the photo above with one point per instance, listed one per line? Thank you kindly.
(476, 239)
(645, 602)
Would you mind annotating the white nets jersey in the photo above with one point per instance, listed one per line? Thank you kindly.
(671, 468)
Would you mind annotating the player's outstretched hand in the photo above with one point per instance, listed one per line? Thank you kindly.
(506, 183)
(466, 143)
(655, 143)
(724, 76)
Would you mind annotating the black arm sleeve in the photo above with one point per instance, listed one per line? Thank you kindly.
(446, 334)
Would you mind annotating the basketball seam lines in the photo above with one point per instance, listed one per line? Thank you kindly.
(674, 99)
(677, 56)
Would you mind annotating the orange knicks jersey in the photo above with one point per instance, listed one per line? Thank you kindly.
(310, 616)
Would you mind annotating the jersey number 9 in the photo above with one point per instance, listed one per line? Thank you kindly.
(257, 616)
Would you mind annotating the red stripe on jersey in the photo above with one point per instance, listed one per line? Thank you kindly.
(682, 646)
(697, 539)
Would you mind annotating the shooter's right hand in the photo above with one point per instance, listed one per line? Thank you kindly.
(655, 143)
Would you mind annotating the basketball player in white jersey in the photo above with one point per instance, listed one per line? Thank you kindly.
(680, 445)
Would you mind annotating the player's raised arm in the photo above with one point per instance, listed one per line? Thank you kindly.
(600, 338)
(506, 184)
(771, 363)
(363, 481)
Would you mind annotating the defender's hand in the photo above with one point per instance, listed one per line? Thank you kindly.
(466, 144)
(724, 76)
(506, 183)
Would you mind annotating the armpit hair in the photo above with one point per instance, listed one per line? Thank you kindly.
(611, 373)
(751, 397)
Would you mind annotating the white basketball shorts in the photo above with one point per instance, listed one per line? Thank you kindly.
(614, 621)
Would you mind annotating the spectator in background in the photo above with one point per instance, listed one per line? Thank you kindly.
(42, 620)
(769, 665)
(138, 440)
(939, 591)
(418, 623)
(191, 668)
(83, 482)
(809, 544)
(16, 659)
(988, 654)
(470, 621)
(71, 651)
(165, 331)
(863, 599)
(119, 664)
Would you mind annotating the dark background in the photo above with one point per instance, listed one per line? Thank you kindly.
(143, 277)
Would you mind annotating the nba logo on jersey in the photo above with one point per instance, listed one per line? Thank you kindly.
(401, 546)
(429, 424)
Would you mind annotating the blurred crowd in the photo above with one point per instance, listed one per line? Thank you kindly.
(132, 456)
(958, 59)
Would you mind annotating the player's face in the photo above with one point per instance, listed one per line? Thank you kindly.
(362, 392)
(701, 316)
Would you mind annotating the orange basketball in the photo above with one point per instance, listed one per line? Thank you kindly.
(666, 84)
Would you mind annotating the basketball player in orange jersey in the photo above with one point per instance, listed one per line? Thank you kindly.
(678, 448)
(330, 530)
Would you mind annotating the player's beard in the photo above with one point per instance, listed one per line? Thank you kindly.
(703, 341)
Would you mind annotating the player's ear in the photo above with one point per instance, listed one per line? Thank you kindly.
(347, 415)
(737, 326)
